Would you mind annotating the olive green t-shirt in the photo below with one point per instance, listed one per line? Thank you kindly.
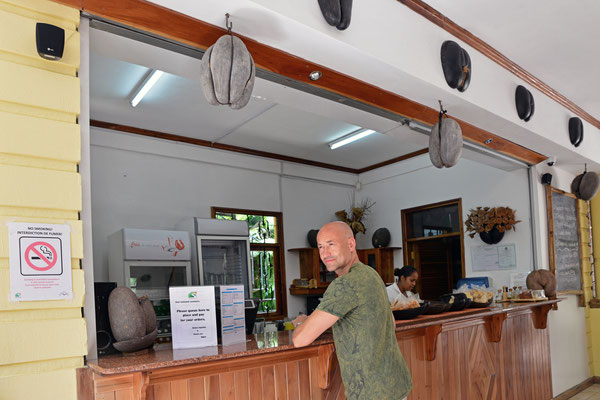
(371, 364)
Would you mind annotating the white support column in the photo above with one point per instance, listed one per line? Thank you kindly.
(87, 263)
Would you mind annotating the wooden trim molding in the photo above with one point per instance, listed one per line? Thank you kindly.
(220, 146)
(393, 160)
(451, 27)
(245, 150)
(569, 393)
(149, 17)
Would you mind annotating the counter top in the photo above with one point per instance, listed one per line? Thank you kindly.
(163, 355)
(423, 321)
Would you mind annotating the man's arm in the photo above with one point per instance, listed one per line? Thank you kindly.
(308, 330)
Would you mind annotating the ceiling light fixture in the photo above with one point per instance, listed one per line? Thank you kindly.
(354, 136)
(145, 86)
(315, 75)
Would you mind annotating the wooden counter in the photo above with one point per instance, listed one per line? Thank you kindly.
(493, 353)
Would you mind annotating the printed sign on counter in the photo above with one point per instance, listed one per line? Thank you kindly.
(193, 319)
(40, 261)
(233, 320)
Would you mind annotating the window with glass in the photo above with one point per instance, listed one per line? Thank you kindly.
(266, 254)
(433, 243)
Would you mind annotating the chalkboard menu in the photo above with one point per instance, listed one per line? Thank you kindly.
(563, 239)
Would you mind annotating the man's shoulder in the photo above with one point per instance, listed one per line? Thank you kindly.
(365, 274)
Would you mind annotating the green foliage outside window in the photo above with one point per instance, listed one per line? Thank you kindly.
(262, 230)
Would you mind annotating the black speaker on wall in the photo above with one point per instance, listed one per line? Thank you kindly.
(104, 336)
(50, 41)
(547, 179)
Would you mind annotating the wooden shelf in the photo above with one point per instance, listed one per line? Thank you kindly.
(311, 267)
(381, 259)
(306, 291)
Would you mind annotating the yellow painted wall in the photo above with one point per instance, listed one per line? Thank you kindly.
(593, 322)
(586, 268)
(42, 342)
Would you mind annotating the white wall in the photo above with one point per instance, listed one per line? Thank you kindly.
(307, 205)
(417, 182)
(141, 182)
(568, 342)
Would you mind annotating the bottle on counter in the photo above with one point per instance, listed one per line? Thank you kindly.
(504, 293)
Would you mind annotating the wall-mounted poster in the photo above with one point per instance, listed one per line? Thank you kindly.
(493, 257)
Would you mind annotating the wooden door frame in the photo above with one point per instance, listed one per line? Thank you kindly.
(406, 241)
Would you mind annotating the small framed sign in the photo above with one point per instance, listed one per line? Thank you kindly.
(193, 316)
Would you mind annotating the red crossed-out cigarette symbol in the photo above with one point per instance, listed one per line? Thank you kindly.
(40, 256)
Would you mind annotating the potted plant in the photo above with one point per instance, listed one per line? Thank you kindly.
(490, 223)
(354, 217)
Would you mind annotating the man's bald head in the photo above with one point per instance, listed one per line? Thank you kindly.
(339, 228)
(337, 247)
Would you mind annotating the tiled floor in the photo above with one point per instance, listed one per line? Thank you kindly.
(591, 393)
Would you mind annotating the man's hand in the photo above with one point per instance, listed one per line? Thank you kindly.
(300, 319)
(309, 328)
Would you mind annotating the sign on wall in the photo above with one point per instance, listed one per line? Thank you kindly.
(40, 261)
(493, 257)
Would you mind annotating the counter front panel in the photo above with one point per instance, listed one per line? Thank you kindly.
(496, 353)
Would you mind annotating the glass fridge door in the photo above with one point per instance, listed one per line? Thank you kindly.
(224, 260)
(153, 279)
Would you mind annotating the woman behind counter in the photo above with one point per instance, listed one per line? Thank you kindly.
(407, 279)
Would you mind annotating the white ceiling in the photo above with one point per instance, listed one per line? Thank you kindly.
(277, 119)
(555, 40)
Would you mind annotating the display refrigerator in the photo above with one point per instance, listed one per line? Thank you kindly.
(150, 261)
(220, 252)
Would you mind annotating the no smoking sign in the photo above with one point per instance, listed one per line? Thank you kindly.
(40, 256)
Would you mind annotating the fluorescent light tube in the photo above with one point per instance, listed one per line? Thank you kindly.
(359, 134)
(145, 87)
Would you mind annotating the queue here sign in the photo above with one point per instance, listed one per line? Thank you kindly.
(40, 261)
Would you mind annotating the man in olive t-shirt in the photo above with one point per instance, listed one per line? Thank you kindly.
(357, 307)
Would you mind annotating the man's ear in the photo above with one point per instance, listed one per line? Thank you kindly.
(352, 244)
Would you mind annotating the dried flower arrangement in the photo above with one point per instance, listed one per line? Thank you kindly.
(355, 215)
(484, 219)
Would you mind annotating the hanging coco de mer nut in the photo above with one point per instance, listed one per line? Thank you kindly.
(227, 73)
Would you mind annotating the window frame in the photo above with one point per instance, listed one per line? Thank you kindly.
(406, 240)
(278, 256)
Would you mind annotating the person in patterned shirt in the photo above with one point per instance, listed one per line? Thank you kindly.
(356, 305)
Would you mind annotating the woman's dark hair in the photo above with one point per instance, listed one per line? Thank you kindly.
(405, 271)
